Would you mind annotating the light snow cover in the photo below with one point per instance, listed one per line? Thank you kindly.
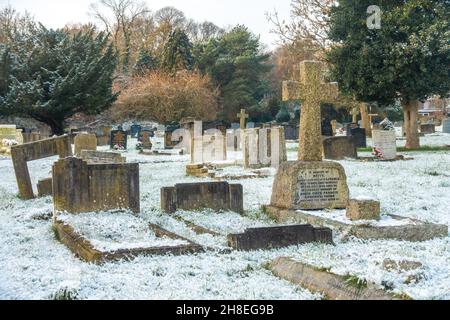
(34, 265)
(110, 231)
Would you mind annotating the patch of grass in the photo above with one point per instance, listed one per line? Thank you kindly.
(356, 282)
(433, 173)
(65, 295)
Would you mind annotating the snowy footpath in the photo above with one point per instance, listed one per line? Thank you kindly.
(34, 265)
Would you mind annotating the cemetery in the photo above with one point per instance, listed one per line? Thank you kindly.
(168, 189)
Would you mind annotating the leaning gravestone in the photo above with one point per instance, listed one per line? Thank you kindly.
(384, 141)
(85, 141)
(310, 183)
(446, 126)
(119, 140)
(21, 154)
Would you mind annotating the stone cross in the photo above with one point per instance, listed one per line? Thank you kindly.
(312, 91)
(365, 123)
(355, 113)
(242, 116)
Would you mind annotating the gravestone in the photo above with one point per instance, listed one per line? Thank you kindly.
(44, 187)
(327, 128)
(135, 130)
(446, 126)
(359, 136)
(21, 154)
(119, 140)
(291, 132)
(279, 237)
(363, 210)
(145, 139)
(384, 143)
(103, 134)
(169, 141)
(428, 128)
(85, 141)
(310, 183)
(264, 147)
(8, 132)
(196, 196)
(81, 187)
(250, 125)
(235, 126)
(97, 157)
(339, 148)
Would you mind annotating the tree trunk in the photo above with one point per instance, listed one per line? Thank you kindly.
(411, 115)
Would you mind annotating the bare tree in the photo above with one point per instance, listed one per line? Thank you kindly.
(118, 17)
(12, 23)
(309, 22)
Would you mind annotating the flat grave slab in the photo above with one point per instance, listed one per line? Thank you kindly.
(332, 286)
(389, 227)
(102, 237)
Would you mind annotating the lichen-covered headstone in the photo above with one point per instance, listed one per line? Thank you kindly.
(85, 141)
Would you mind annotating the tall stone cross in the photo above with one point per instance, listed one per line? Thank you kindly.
(242, 116)
(312, 91)
(355, 114)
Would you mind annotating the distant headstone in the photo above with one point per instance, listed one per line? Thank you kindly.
(8, 132)
(339, 148)
(119, 140)
(446, 126)
(195, 196)
(235, 126)
(360, 137)
(44, 187)
(145, 139)
(135, 130)
(169, 142)
(250, 125)
(384, 141)
(428, 128)
(85, 141)
(327, 128)
(291, 132)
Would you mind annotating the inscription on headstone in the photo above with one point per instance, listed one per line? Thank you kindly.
(318, 185)
(119, 139)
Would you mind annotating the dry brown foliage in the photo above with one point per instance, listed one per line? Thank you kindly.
(163, 98)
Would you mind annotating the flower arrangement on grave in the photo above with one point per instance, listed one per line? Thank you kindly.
(9, 143)
(378, 153)
(140, 146)
(119, 147)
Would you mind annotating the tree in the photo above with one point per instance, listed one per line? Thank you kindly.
(177, 53)
(144, 64)
(236, 63)
(119, 17)
(407, 59)
(283, 115)
(165, 98)
(60, 76)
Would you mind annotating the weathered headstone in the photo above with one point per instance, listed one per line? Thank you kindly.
(359, 136)
(97, 157)
(21, 154)
(44, 187)
(291, 132)
(310, 183)
(428, 128)
(85, 141)
(250, 125)
(135, 130)
(384, 142)
(8, 132)
(169, 141)
(446, 126)
(195, 196)
(145, 139)
(339, 148)
(81, 187)
(279, 237)
(119, 140)
(363, 210)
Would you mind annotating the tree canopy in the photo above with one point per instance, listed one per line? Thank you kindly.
(50, 75)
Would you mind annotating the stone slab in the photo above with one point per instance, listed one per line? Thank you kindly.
(310, 186)
(417, 231)
(84, 250)
(97, 157)
(45, 187)
(196, 196)
(278, 237)
(332, 286)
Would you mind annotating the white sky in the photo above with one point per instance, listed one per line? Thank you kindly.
(57, 13)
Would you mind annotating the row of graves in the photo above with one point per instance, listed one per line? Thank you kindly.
(310, 197)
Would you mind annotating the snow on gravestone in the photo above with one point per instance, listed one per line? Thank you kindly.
(385, 141)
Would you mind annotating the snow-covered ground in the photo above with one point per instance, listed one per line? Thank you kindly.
(34, 265)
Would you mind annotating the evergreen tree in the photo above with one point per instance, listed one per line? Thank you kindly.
(177, 53)
(407, 59)
(237, 65)
(60, 76)
(283, 115)
(145, 63)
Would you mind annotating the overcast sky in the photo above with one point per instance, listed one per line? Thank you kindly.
(57, 13)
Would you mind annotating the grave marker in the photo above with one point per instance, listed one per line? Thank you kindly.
(85, 141)
(446, 126)
(135, 130)
(119, 140)
(384, 141)
(339, 148)
(145, 139)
